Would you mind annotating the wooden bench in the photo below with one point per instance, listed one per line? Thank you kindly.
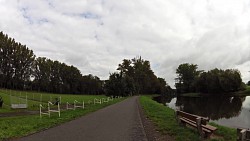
(243, 134)
(198, 122)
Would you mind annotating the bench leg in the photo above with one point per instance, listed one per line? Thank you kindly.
(178, 119)
(241, 135)
(199, 128)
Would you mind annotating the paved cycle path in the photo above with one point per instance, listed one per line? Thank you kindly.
(118, 122)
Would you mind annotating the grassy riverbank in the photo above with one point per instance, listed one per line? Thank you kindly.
(164, 118)
(13, 127)
(240, 93)
(245, 93)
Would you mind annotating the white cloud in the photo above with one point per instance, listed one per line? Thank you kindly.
(96, 35)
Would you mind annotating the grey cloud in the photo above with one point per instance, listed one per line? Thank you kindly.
(96, 35)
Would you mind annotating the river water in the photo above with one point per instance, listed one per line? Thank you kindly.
(228, 111)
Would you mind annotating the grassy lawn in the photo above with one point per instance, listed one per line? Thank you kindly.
(44, 97)
(164, 118)
(36, 98)
(24, 125)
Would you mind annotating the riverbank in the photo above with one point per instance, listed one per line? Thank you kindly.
(164, 119)
(240, 93)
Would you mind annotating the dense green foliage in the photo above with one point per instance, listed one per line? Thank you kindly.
(53, 76)
(135, 77)
(219, 81)
(19, 69)
(165, 121)
(16, 62)
(190, 79)
(186, 76)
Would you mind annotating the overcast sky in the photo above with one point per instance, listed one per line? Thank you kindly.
(96, 35)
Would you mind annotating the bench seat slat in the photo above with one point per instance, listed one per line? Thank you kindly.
(209, 127)
(194, 124)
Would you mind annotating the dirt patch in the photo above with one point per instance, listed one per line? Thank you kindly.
(151, 130)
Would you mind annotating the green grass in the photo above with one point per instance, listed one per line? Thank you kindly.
(34, 98)
(23, 125)
(228, 134)
(165, 121)
(245, 92)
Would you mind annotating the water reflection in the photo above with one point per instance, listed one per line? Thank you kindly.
(214, 108)
(228, 111)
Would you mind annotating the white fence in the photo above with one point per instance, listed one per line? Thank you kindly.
(97, 101)
(50, 110)
(72, 106)
(76, 104)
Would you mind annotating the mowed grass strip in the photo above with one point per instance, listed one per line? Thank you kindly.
(165, 121)
(24, 125)
(35, 97)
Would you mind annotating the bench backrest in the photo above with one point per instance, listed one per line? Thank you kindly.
(192, 117)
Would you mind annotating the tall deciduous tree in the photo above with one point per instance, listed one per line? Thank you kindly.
(16, 62)
(186, 77)
(42, 73)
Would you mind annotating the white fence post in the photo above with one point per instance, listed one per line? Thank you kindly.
(48, 109)
(83, 106)
(40, 110)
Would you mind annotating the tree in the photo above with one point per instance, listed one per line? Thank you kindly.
(19, 69)
(135, 77)
(16, 62)
(41, 74)
(90, 84)
(119, 85)
(186, 77)
(219, 81)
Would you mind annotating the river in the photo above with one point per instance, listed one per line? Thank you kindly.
(228, 111)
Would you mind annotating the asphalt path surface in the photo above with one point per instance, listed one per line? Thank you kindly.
(118, 122)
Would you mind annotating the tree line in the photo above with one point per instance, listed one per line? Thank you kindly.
(190, 79)
(135, 76)
(21, 69)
